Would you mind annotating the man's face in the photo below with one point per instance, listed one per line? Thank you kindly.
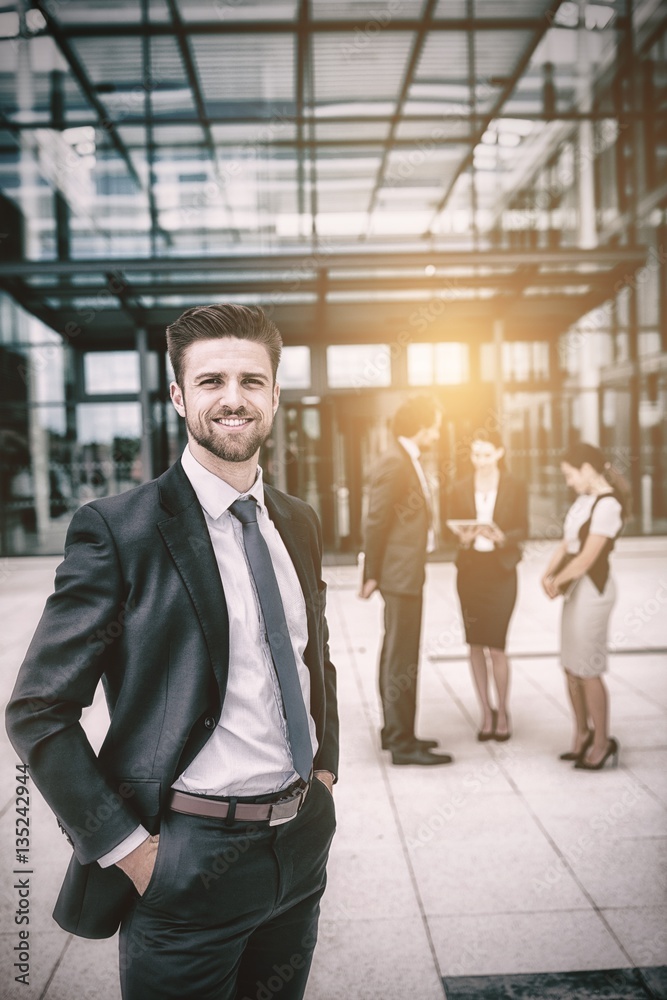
(429, 436)
(228, 397)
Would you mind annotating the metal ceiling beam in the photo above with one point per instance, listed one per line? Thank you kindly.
(61, 39)
(147, 73)
(309, 96)
(514, 283)
(299, 89)
(288, 119)
(219, 27)
(304, 262)
(415, 54)
(650, 33)
(22, 294)
(496, 111)
(125, 295)
(472, 91)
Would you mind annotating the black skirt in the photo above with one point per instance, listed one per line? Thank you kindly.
(487, 591)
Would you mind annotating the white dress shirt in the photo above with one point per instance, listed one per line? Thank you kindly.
(248, 753)
(414, 453)
(485, 502)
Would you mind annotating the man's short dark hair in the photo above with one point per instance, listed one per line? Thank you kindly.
(217, 321)
(414, 414)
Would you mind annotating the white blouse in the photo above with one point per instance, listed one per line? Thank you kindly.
(607, 519)
(484, 506)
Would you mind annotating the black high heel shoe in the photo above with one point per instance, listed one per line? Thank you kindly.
(482, 735)
(612, 751)
(573, 755)
(503, 737)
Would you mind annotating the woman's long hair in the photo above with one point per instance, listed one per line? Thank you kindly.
(582, 453)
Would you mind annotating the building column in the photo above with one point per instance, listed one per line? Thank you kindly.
(498, 337)
(589, 354)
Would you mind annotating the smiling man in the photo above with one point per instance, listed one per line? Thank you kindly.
(203, 827)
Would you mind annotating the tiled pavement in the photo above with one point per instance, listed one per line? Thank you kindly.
(503, 875)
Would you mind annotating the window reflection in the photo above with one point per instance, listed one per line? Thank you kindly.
(111, 371)
(357, 365)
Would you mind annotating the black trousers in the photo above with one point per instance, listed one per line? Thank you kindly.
(399, 665)
(231, 911)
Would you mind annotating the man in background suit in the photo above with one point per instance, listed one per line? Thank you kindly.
(398, 536)
(203, 826)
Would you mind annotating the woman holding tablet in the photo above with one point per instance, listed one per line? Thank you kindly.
(495, 505)
(579, 569)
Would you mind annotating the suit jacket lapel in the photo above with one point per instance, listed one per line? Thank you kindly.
(501, 499)
(186, 536)
(410, 471)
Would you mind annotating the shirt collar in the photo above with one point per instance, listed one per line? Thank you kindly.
(411, 448)
(214, 494)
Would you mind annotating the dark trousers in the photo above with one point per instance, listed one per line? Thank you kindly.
(399, 664)
(230, 911)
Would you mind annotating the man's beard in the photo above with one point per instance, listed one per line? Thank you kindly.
(237, 448)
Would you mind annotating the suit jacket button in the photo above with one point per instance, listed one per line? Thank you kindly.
(209, 722)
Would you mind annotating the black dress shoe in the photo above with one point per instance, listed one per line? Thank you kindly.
(417, 756)
(415, 744)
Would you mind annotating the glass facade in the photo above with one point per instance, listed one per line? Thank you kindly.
(474, 208)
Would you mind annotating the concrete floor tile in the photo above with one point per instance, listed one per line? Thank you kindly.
(365, 819)
(616, 808)
(472, 771)
(467, 813)
(497, 944)
(92, 966)
(521, 876)
(387, 959)
(367, 886)
(625, 872)
(46, 948)
(649, 767)
(642, 931)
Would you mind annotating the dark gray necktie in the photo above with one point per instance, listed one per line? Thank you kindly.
(277, 633)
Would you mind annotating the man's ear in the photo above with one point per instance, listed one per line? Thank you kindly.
(276, 397)
(177, 398)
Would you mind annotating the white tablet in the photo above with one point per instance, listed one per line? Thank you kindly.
(457, 523)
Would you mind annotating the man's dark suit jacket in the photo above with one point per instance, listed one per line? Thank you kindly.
(396, 525)
(139, 603)
(510, 514)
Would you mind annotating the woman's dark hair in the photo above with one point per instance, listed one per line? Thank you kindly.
(582, 453)
(414, 414)
(226, 319)
(490, 437)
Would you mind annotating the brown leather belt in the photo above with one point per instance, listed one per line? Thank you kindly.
(281, 811)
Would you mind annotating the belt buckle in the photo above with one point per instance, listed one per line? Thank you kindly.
(284, 810)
